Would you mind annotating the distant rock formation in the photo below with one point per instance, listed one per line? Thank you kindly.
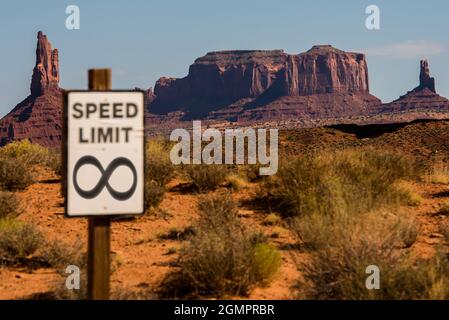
(423, 97)
(425, 80)
(46, 72)
(322, 85)
(38, 117)
(253, 78)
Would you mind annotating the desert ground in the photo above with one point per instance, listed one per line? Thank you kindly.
(146, 250)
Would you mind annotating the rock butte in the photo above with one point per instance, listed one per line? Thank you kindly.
(247, 86)
(38, 117)
(248, 79)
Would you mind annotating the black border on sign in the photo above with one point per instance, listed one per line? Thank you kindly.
(65, 145)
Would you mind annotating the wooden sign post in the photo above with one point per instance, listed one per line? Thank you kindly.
(99, 232)
(104, 159)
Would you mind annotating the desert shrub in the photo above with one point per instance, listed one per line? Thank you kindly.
(206, 177)
(407, 194)
(318, 231)
(346, 246)
(14, 175)
(59, 254)
(54, 161)
(9, 205)
(18, 240)
(26, 152)
(267, 260)
(154, 194)
(223, 258)
(159, 171)
(252, 172)
(235, 181)
(438, 173)
(345, 181)
(30, 155)
(158, 164)
(400, 277)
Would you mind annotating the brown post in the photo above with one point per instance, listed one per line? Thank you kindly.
(99, 233)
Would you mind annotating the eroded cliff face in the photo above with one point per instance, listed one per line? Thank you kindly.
(38, 117)
(46, 71)
(220, 79)
(324, 69)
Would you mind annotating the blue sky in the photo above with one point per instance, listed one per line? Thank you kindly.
(142, 40)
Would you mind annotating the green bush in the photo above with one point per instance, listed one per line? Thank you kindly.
(18, 240)
(59, 254)
(223, 258)
(344, 246)
(158, 164)
(26, 152)
(154, 194)
(14, 175)
(345, 181)
(54, 161)
(9, 205)
(31, 155)
(267, 261)
(206, 177)
(159, 171)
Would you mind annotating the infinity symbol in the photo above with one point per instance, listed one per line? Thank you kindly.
(104, 180)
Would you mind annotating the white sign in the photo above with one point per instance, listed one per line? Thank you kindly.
(105, 153)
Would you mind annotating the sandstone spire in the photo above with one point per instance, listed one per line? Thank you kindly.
(46, 71)
(425, 80)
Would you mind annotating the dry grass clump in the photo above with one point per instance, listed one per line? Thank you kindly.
(407, 194)
(328, 183)
(159, 171)
(23, 244)
(59, 254)
(10, 206)
(18, 240)
(54, 161)
(18, 161)
(14, 175)
(26, 152)
(30, 155)
(344, 246)
(223, 258)
(206, 177)
(236, 181)
(438, 173)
